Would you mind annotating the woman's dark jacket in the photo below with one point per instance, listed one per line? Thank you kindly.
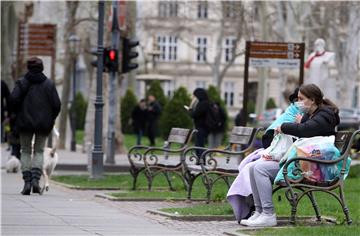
(321, 123)
(199, 112)
(138, 117)
(36, 103)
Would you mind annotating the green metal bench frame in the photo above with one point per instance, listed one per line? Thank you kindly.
(207, 165)
(143, 159)
(343, 141)
(170, 160)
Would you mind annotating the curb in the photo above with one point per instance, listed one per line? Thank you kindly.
(83, 167)
(193, 217)
(81, 188)
(124, 199)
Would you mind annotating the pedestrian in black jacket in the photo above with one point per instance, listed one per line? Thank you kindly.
(198, 110)
(320, 119)
(153, 114)
(5, 94)
(37, 105)
(138, 117)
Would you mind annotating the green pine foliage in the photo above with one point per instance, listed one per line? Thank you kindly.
(270, 103)
(156, 90)
(174, 113)
(79, 107)
(128, 102)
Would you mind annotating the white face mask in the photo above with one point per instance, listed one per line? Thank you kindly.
(302, 107)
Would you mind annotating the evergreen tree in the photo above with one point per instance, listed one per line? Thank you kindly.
(270, 103)
(79, 107)
(174, 113)
(128, 102)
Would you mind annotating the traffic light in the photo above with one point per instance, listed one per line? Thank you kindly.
(128, 54)
(111, 59)
(95, 62)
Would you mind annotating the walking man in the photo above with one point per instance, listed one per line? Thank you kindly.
(37, 105)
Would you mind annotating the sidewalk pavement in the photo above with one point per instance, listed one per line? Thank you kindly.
(65, 212)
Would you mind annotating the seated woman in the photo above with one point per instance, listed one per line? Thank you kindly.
(239, 194)
(320, 119)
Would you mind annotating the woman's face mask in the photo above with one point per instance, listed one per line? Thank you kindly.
(302, 107)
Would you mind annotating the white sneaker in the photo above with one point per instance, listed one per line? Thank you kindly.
(264, 220)
(251, 218)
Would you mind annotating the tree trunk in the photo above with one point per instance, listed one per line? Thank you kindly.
(71, 8)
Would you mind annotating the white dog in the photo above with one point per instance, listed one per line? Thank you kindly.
(50, 161)
(13, 165)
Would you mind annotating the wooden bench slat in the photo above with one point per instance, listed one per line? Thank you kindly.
(178, 135)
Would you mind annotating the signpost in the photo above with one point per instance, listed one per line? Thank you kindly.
(272, 54)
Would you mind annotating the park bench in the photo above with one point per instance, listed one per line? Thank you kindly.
(297, 189)
(156, 160)
(217, 164)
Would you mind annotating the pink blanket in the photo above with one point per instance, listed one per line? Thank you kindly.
(240, 189)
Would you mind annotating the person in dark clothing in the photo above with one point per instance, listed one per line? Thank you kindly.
(239, 118)
(10, 116)
(320, 119)
(153, 114)
(198, 110)
(138, 116)
(216, 133)
(37, 104)
(5, 94)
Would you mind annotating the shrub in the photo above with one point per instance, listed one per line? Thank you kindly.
(270, 103)
(79, 107)
(174, 113)
(128, 102)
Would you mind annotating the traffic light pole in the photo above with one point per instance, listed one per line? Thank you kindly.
(115, 37)
(96, 165)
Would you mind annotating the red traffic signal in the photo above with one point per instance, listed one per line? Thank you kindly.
(112, 55)
(111, 59)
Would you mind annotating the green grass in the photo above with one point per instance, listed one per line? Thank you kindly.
(123, 182)
(216, 208)
(160, 186)
(79, 136)
(130, 140)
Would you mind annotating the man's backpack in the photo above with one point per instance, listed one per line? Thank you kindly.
(215, 117)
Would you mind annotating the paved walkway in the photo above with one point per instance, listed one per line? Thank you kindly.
(63, 211)
(66, 212)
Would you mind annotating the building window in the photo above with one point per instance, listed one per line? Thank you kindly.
(201, 84)
(202, 10)
(229, 44)
(201, 49)
(229, 93)
(229, 8)
(168, 9)
(167, 45)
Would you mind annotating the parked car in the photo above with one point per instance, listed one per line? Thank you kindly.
(265, 119)
(349, 118)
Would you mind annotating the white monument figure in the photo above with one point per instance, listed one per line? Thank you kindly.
(318, 69)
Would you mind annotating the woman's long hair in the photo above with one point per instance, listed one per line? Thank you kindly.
(312, 91)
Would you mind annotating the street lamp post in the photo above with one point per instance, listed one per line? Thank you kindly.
(74, 43)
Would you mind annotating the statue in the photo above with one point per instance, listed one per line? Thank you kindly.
(318, 69)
